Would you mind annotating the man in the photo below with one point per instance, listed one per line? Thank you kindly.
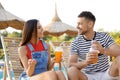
(81, 59)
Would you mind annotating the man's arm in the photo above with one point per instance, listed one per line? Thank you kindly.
(113, 50)
(73, 61)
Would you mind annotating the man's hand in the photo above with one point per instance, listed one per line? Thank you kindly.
(98, 46)
(92, 57)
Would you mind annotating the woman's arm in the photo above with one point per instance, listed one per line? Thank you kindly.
(28, 65)
(50, 62)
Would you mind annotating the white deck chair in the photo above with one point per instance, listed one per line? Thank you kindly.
(12, 47)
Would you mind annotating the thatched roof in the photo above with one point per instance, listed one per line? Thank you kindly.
(56, 27)
(7, 19)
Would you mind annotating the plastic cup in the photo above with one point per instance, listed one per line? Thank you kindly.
(96, 52)
(58, 54)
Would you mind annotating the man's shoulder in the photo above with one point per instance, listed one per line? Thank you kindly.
(102, 34)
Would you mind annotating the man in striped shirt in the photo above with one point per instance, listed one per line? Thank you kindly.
(81, 59)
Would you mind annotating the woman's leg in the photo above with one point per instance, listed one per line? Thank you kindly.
(49, 75)
(60, 75)
(75, 74)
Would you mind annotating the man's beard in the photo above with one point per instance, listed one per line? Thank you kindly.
(82, 33)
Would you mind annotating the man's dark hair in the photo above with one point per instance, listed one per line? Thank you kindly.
(88, 15)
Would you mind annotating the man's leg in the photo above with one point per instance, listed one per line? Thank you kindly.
(114, 70)
(75, 74)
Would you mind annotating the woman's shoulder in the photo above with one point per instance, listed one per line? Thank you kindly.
(45, 43)
(22, 50)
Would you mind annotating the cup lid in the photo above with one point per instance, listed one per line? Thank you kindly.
(58, 49)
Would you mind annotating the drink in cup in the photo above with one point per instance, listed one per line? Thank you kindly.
(96, 52)
(58, 54)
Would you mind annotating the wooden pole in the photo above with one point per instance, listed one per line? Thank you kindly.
(6, 59)
(5, 71)
(65, 70)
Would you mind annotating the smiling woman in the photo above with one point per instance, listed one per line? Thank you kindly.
(35, 56)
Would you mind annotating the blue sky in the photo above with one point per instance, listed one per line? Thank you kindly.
(106, 11)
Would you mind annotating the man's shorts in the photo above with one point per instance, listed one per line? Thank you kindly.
(101, 76)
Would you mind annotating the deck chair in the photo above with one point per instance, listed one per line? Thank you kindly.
(12, 47)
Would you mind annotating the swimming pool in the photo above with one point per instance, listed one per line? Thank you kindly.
(1, 75)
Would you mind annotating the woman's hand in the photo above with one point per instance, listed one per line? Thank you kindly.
(53, 60)
(59, 59)
(31, 67)
(32, 62)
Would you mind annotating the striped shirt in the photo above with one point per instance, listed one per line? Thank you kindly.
(80, 46)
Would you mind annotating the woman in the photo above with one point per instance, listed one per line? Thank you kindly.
(34, 54)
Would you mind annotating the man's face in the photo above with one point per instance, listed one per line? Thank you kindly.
(82, 25)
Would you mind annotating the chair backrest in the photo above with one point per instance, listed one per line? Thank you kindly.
(12, 47)
(66, 52)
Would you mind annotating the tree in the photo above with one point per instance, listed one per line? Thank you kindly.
(101, 30)
(15, 34)
(68, 38)
(115, 34)
(47, 38)
(4, 33)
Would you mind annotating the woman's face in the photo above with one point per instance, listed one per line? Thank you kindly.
(39, 30)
